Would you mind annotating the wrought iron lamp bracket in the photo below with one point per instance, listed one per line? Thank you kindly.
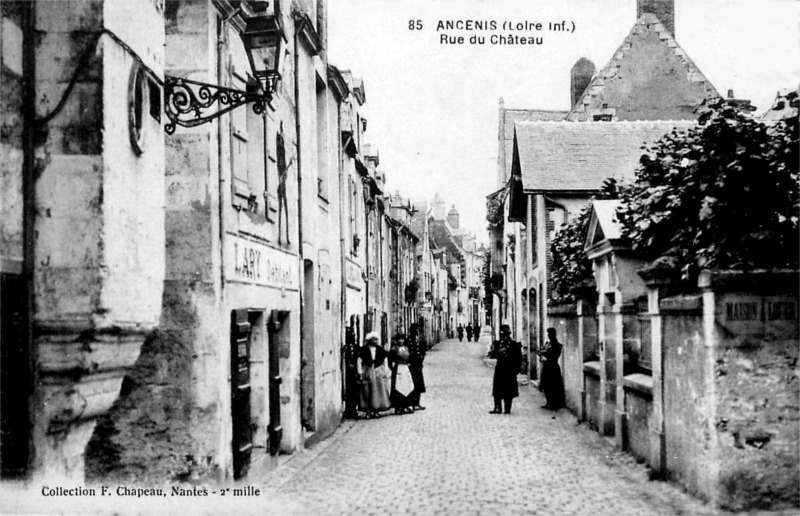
(191, 103)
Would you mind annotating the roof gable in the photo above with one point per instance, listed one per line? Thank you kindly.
(650, 77)
(570, 157)
(605, 231)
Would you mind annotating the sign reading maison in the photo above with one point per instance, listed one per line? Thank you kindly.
(256, 263)
(760, 311)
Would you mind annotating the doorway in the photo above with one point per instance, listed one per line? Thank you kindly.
(242, 437)
(307, 358)
(16, 376)
(278, 337)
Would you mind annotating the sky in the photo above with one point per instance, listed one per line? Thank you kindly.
(432, 109)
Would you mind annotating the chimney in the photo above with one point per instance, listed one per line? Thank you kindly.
(743, 104)
(663, 9)
(579, 78)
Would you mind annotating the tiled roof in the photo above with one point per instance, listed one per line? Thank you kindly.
(511, 116)
(647, 24)
(572, 157)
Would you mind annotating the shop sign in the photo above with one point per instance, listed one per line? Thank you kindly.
(353, 275)
(256, 263)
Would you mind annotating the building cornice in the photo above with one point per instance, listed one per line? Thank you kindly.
(308, 34)
(337, 83)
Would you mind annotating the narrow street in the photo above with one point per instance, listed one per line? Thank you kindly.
(456, 458)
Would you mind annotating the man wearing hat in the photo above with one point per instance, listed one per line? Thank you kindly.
(508, 354)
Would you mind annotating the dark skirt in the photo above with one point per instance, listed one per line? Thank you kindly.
(552, 384)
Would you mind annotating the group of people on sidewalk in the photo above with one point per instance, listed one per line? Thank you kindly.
(508, 354)
(393, 379)
(471, 330)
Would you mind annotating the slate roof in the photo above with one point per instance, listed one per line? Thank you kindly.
(511, 116)
(648, 23)
(577, 157)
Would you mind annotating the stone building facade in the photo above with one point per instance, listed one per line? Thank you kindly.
(198, 325)
(222, 377)
(402, 272)
(455, 249)
(79, 141)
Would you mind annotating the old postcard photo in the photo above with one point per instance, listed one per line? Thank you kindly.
(399, 257)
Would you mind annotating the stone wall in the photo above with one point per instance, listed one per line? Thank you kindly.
(754, 384)
(719, 408)
(162, 428)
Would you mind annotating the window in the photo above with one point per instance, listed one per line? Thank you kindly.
(256, 171)
(249, 165)
(355, 239)
(322, 140)
(239, 158)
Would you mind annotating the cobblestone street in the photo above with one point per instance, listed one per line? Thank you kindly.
(456, 458)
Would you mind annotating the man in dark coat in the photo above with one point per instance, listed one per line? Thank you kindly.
(508, 354)
(417, 352)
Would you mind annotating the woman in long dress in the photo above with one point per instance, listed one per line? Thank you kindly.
(551, 382)
(371, 365)
(402, 382)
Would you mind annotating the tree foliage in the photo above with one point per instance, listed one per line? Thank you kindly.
(571, 271)
(721, 195)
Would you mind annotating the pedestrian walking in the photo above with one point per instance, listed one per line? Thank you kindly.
(460, 331)
(417, 357)
(551, 382)
(508, 354)
(402, 384)
(373, 377)
(469, 332)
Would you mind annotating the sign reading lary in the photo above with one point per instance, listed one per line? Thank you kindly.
(256, 263)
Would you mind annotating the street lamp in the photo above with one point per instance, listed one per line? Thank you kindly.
(264, 40)
(191, 103)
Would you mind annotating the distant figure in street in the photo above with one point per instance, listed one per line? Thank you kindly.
(417, 357)
(371, 365)
(460, 331)
(402, 384)
(469, 332)
(550, 381)
(508, 354)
